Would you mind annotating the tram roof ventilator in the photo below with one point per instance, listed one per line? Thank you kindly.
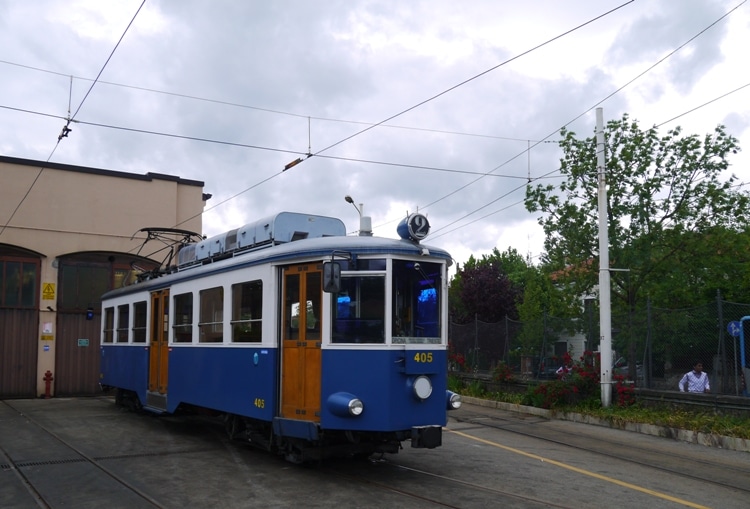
(277, 229)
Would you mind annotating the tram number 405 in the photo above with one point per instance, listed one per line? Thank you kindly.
(423, 357)
(259, 403)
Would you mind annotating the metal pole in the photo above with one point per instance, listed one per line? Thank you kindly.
(476, 342)
(605, 299)
(721, 350)
(649, 368)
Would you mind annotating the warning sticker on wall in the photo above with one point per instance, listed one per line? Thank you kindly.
(48, 291)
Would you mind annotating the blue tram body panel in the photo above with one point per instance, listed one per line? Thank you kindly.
(241, 381)
(380, 379)
(125, 367)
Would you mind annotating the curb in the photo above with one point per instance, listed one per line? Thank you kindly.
(693, 437)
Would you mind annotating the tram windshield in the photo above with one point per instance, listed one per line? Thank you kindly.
(361, 304)
(416, 302)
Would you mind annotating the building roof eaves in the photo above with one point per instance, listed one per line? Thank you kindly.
(98, 171)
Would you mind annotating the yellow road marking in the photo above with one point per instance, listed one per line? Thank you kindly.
(582, 471)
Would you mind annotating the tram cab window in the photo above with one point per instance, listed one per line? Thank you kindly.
(211, 324)
(359, 310)
(416, 302)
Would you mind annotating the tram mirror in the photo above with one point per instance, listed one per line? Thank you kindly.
(331, 277)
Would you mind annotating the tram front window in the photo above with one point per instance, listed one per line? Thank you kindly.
(359, 310)
(416, 302)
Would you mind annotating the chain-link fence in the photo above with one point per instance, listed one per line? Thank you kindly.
(654, 347)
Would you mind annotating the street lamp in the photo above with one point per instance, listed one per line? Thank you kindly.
(365, 222)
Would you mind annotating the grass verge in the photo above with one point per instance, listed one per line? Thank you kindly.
(668, 416)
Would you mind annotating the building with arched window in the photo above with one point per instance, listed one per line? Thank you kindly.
(67, 235)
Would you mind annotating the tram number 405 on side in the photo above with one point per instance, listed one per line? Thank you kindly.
(423, 357)
(259, 403)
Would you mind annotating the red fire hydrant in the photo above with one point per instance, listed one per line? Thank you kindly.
(47, 384)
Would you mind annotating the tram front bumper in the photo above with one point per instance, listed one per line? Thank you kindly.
(426, 437)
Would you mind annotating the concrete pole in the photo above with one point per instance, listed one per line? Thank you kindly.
(605, 300)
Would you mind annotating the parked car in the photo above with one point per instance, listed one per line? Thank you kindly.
(547, 368)
(621, 367)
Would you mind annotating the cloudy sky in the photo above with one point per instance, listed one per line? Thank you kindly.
(439, 106)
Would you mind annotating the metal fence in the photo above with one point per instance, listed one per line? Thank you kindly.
(653, 347)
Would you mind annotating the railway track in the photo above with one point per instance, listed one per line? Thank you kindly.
(441, 491)
(89, 453)
(655, 457)
(62, 452)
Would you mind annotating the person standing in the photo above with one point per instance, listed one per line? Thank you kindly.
(695, 380)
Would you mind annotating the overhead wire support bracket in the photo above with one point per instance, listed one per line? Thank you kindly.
(65, 131)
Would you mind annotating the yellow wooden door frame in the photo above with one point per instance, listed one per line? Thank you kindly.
(159, 348)
(302, 322)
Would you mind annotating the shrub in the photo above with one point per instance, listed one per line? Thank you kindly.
(502, 373)
(456, 361)
(579, 385)
(455, 384)
(624, 391)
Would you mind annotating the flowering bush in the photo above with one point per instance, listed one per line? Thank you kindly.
(624, 391)
(549, 394)
(580, 383)
(456, 361)
(502, 373)
(586, 373)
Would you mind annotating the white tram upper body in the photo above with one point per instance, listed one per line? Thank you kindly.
(311, 343)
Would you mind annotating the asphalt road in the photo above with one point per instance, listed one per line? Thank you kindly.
(87, 452)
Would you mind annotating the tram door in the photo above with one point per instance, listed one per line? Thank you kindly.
(301, 353)
(159, 351)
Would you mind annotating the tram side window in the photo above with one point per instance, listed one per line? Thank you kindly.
(359, 313)
(247, 309)
(123, 323)
(211, 324)
(139, 322)
(183, 318)
(109, 325)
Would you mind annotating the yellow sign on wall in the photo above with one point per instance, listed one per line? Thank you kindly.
(48, 291)
(48, 337)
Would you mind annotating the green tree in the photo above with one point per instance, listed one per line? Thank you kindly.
(488, 288)
(675, 220)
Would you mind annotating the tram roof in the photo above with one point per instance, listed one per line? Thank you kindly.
(304, 249)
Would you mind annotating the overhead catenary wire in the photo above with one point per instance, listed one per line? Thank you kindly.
(269, 110)
(348, 159)
(265, 148)
(454, 87)
(367, 161)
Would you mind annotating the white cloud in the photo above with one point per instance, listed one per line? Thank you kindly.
(287, 75)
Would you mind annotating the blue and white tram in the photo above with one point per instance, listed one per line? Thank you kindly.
(309, 342)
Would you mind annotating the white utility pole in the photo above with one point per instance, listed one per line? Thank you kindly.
(605, 300)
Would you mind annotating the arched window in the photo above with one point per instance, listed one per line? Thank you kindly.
(19, 278)
(85, 277)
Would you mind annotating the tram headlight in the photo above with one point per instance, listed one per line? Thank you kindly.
(345, 404)
(356, 406)
(453, 400)
(422, 387)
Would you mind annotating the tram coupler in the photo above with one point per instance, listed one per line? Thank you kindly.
(47, 384)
